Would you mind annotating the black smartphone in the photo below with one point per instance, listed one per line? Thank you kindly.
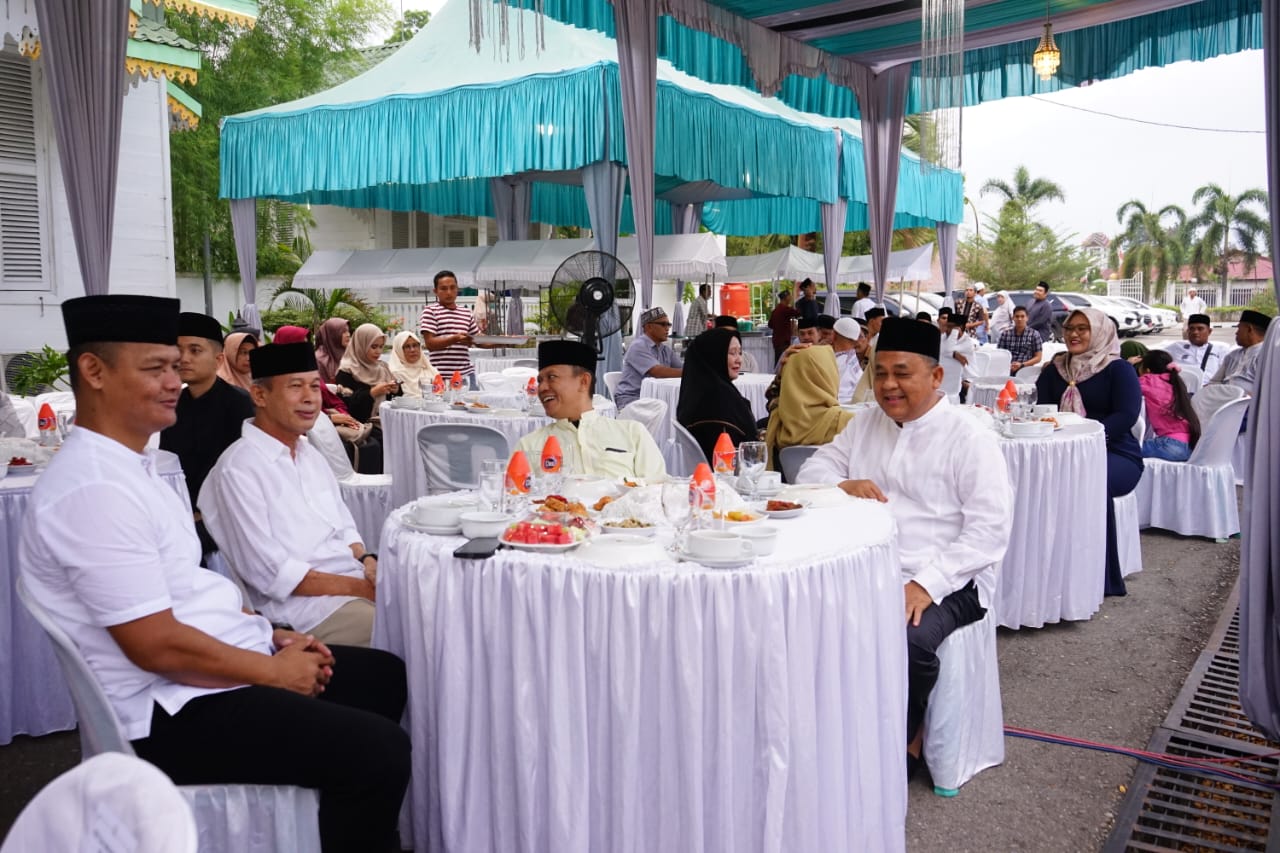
(477, 549)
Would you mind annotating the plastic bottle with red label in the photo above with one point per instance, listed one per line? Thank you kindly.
(47, 420)
(724, 454)
(702, 488)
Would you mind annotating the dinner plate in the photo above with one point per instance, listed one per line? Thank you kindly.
(716, 562)
(545, 547)
(433, 529)
(630, 531)
(512, 341)
(24, 470)
(729, 524)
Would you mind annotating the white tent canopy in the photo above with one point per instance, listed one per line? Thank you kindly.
(513, 262)
(796, 264)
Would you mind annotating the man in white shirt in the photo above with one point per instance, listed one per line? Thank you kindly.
(1197, 350)
(275, 509)
(863, 303)
(848, 332)
(591, 445)
(946, 484)
(1191, 305)
(1239, 367)
(958, 347)
(204, 690)
(863, 392)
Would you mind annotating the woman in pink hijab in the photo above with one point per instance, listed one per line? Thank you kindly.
(331, 345)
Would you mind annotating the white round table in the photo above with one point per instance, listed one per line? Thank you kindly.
(559, 707)
(751, 385)
(36, 697)
(400, 457)
(1054, 567)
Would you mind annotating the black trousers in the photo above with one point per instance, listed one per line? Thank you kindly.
(348, 744)
(958, 609)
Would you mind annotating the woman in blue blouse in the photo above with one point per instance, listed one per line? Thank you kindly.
(1092, 380)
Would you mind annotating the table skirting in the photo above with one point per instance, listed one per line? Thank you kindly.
(1054, 567)
(34, 699)
(751, 385)
(556, 706)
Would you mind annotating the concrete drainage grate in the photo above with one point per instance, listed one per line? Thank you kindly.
(1171, 809)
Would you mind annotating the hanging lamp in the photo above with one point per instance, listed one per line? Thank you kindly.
(1047, 57)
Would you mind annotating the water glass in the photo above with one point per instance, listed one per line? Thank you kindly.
(493, 481)
(753, 456)
(677, 509)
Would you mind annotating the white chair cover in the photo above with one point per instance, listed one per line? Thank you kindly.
(250, 819)
(1196, 497)
(611, 380)
(1128, 538)
(998, 363)
(964, 723)
(63, 402)
(451, 454)
(1139, 428)
(952, 376)
(520, 374)
(324, 437)
(790, 459)
(1211, 398)
(1029, 374)
(367, 496)
(1192, 377)
(109, 802)
(682, 452)
(654, 415)
(496, 382)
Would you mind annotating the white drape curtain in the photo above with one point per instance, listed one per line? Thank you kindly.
(948, 233)
(685, 219)
(84, 52)
(603, 184)
(244, 227)
(1260, 528)
(636, 22)
(833, 220)
(511, 207)
(883, 100)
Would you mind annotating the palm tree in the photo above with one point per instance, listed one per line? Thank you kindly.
(1025, 193)
(1149, 244)
(312, 307)
(1224, 219)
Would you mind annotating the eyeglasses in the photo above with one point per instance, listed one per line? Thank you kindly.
(1072, 330)
(664, 325)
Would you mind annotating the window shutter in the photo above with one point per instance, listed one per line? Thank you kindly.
(421, 230)
(21, 253)
(399, 230)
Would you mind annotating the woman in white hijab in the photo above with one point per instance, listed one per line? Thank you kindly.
(1002, 316)
(409, 365)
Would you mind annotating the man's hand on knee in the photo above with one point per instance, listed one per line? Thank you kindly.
(918, 601)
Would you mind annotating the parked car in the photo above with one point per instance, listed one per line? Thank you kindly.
(1160, 318)
(1023, 299)
(1126, 319)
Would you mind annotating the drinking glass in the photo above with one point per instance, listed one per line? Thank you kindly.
(1026, 399)
(677, 509)
(752, 458)
(493, 481)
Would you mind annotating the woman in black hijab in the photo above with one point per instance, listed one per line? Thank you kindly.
(709, 402)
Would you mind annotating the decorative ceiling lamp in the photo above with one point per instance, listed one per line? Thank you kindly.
(1047, 57)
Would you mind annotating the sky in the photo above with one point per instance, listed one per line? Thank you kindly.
(1102, 161)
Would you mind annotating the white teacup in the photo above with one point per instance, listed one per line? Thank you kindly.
(442, 512)
(763, 538)
(719, 545)
(770, 481)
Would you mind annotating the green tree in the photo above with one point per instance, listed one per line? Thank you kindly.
(1227, 227)
(293, 306)
(1025, 194)
(1019, 252)
(408, 26)
(1153, 241)
(284, 56)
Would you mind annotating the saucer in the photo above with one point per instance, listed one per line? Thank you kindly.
(433, 529)
(717, 562)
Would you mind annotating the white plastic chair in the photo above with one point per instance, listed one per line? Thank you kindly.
(526, 362)
(979, 360)
(367, 496)
(250, 818)
(682, 452)
(998, 363)
(495, 382)
(452, 453)
(1030, 373)
(1192, 377)
(1211, 398)
(952, 376)
(611, 380)
(964, 723)
(1196, 497)
(791, 459)
(654, 414)
(1139, 428)
(109, 797)
(520, 374)
(1128, 538)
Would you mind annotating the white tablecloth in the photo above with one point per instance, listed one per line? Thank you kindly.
(33, 695)
(555, 706)
(760, 347)
(750, 385)
(1054, 567)
(400, 457)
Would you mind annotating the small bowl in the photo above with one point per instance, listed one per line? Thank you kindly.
(434, 406)
(442, 512)
(479, 524)
(763, 538)
(1030, 429)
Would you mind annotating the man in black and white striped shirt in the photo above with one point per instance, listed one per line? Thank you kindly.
(448, 329)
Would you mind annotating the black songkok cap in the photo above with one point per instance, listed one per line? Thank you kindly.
(280, 359)
(873, 313)
(725, 320)
(193, 325)
(902, 335)
(1255, 318)
(1199, 318)
(826, 321)
(120, 318)
(567, 352)
(807, 323)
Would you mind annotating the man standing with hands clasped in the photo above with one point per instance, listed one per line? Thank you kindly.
(952, 509)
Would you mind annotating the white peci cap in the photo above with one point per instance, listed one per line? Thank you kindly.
(847, 327)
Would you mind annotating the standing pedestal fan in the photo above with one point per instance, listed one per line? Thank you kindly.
(591, 296)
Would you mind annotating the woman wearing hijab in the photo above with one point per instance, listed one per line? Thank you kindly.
(235, 363)
(411, 368)
(808, 410)
(709, 401)
(1092, 380)
(364, 375)
(1002, 316)
(331, 345)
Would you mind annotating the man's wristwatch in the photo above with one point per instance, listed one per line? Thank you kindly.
(281, 626)
(366, 555)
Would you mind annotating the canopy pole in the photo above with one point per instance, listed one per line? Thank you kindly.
(833, 223)
(636, 22)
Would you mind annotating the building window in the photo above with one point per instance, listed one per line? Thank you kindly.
(21, 249)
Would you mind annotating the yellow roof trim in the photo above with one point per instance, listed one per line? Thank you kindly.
(133, 23)
(146, 68)
(208, 10)
(182, 118)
